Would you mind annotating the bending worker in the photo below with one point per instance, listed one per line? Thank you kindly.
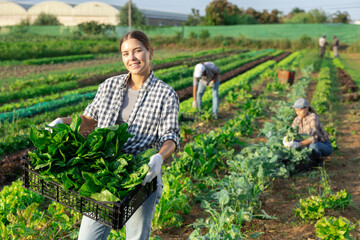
(206, 74)
(308, 122)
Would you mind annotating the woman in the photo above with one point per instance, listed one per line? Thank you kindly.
(308, 122)
(150, 108)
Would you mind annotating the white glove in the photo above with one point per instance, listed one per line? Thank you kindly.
(53, 123)
(155, 168)
(194, 104)
(294, 144)
(286, 144)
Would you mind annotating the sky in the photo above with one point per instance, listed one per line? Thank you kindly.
(185, 6)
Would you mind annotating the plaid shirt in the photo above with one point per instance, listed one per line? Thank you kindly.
(312, 126)
(153, 120)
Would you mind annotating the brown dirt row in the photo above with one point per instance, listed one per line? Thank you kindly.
(348, 86)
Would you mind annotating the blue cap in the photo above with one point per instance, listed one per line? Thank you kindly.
(301, 103)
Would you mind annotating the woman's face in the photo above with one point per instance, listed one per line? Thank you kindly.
(301, 112)
(136, 57)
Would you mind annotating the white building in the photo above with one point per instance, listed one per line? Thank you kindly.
(12, 13)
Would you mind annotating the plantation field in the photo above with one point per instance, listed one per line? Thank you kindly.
(346, 33)
(232, 176)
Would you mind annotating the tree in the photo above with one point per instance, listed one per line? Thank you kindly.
(264, 17)
(247, 19)
(194, 18)
(313, 16)
(274, 16)
(45, 19)
(340, 17)
(137, 17)
(301, 17)
(95, 28)
(253, 13)
(296, 10)
(317, 16)
(221, 12)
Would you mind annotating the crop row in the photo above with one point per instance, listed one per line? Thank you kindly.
(225, 64)
(322, 92)
(110, 68)
(52, 48)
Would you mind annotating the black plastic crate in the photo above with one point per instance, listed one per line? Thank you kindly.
(112, 214)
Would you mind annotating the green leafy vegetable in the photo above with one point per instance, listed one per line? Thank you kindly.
(328, 228)
(292, 134)
(95, 167)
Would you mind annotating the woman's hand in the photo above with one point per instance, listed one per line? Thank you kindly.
(293, 144)
(155, 168)
(286, 143)
(53, 123)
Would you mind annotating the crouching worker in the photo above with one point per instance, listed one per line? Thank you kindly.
(308, 122)
(206, 74)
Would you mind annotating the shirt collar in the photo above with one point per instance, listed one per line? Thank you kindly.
(146, 85)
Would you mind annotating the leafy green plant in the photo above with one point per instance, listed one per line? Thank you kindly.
(173, 202)
(332, 132)
(311, 208)
(95, 166)
(30, 223)
(206, 115)
(329, 228)
(292, 134)
(232, 96)
(339, 200)
(16, 197)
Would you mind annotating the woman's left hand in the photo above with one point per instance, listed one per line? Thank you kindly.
(155, 168)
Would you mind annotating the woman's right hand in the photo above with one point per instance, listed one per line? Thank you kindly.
(286, 144)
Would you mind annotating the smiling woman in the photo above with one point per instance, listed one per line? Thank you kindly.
(136, 56)
(150, 108)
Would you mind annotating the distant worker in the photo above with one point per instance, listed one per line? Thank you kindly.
(206, 74)
(322, 45)
(309, 123)
(336, 47)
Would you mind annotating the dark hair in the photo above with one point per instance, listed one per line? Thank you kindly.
(312, 110)
(138, 35)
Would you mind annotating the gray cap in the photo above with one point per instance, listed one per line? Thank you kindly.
(301, 103)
